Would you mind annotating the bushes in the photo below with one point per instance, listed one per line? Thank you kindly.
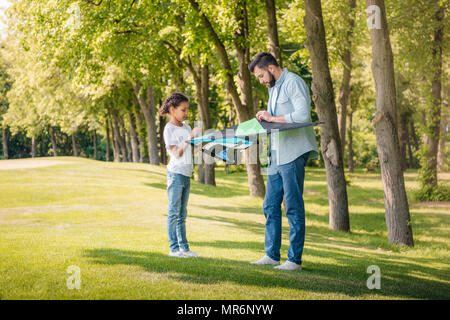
(432, 193)
(430, 190)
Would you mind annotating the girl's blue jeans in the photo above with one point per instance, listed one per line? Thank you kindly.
(287, 182)
(178, 187)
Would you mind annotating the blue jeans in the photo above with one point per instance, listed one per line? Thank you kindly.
(288, 182)
(178, 187)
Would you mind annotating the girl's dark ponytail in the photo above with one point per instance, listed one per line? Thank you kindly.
(173, 100)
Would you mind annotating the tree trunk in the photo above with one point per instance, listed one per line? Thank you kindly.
(414, 136)
(442, 140)
(323, 97)
(108, 140)
(201, 80)
(53, 140)
(133, 137)
(255, 179)
(141, 138)
(118, 137)
(209, 164)
(95, 145)
(148, 109)
(242, 112)
(126, 138)
(404, 114)
(274, 44)
(74, 145)
(140, 128)
(385, 123)
(344, 93)
(115, 144)
(403, 136)
(162, 124)
(154, 156)
(434, 123)
(410, 154)
(5, 143)
(205, 166)
(350, 142)
(33, 147)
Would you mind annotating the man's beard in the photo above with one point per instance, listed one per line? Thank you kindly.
(272, 79)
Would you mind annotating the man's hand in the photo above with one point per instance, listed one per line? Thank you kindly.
(264, 115)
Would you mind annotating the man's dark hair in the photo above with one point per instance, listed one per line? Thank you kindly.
(262, 60)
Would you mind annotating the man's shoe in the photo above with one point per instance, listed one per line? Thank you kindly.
(288, 265)
(266, 260)
(177, 254)
(190, 254)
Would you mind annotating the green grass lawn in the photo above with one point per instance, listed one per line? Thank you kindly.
(109, 219)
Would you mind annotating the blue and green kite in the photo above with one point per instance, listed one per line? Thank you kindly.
(220, 143)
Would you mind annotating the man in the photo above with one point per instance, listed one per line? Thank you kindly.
(289, 101)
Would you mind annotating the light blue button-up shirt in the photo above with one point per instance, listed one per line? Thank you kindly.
(292, 100)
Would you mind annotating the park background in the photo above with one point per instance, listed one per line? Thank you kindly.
(81, 83)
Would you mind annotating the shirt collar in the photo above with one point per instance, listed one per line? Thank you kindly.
(280, 80)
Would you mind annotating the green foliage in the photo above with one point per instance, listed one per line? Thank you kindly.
(230, 169)
(70, 60)
(430, 189)
(431, 193)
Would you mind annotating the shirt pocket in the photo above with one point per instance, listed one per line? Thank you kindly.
(283, 105)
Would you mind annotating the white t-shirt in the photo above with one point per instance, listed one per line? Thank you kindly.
(176, 136)
(274, 97)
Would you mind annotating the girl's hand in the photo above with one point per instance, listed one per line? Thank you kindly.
(194, 133)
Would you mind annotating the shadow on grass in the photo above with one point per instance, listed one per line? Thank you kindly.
(348, 276)
(246, 210)
(368, 227)
(147, 172)
(222, 191)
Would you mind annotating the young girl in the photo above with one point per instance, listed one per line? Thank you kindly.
(179, 171)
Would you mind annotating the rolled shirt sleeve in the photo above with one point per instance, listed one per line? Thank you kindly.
(298, 93)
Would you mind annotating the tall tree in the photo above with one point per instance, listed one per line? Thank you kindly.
(244, 107)
(344, 94)
(423, 22)
(434, 127)
(385, 123)
(404, 114)
(442, 166)
(133, 136)
(323, 97)
(74, 145)
(5, 86)
(146, 100)
(5, 138)
(272, 28)
(53, 141)
(200, 75)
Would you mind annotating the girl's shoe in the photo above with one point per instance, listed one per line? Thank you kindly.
(266, 260)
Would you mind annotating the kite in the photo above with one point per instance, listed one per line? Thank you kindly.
(222, 143)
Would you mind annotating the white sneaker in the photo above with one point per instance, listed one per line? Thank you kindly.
(190, 254)
(288, 265)
(266, 260)
(177, 254)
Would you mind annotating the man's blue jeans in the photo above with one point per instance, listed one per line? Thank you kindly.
(288, 181)
(178, 187)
